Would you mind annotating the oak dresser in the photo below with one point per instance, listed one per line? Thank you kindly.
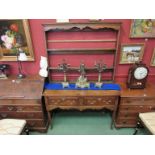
(22, 98)
(132, 102)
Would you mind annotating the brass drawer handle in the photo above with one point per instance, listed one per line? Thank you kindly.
(10, 108)
(4, 115)
(32, 124)
(30, 115)
(36, 108)
(20, 108)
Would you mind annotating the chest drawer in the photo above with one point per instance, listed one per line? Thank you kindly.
(36, 123)
(137, 101)
(20, 108)
(138, 108)
(22, 115)
(64, 101)
(99, 101)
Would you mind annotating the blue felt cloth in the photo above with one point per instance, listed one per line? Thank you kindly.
(58, 86)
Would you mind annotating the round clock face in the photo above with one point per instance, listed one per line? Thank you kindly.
(140, 73)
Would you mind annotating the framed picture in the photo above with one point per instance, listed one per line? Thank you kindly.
(130, 53)
(142, 28)
(153, 58)
(15, 35)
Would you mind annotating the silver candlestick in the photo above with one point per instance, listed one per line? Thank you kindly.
(64, 67)
(100, 68)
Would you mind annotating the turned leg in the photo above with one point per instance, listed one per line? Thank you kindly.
(137, 128)
(27, 130)
(114, 113)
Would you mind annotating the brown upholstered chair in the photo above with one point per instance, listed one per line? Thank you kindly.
(13, 127)
(147, 120)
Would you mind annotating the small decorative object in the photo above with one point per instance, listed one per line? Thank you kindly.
(15, 34)
(43, 67)
(82, 80)
(137, 76)
(153, 58)
(4, 71)
(100, 68)
(64, 67)
(131, 53)
(142, 28)
(21, 56)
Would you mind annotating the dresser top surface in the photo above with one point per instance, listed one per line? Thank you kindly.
(149, 91)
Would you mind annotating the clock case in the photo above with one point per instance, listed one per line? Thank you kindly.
(134, 83)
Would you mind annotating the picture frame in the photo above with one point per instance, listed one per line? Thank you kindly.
(15, 36)
(153, 58)
(142, 28)
(131, 53)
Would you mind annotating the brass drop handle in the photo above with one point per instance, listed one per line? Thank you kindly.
(30, 115)
(4, 115)
(20, 109)
(10, 108)
(32, 124)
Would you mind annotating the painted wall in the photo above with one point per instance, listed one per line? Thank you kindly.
(121, 70)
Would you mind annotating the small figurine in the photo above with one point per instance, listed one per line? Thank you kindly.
(64, 67)
(82, 80)
(100, 68)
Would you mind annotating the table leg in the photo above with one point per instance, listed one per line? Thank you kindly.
(114, 113)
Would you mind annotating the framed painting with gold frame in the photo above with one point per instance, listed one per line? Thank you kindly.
(153, 58)
(15, 34)
(142, 28)
(131, 53)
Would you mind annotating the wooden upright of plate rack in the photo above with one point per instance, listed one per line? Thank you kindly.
(83, 27)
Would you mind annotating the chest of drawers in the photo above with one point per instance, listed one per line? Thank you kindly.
(132, 102)
(22, 99)
(82, 100)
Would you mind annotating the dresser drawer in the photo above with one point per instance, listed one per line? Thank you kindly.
(137, 108)
(19, 101)
(20, 108)
(35, 123)
(22, 115)
(137, 101)
(125, 121)
(99, 101)
(64, 101)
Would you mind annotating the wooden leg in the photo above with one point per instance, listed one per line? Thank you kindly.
(27, 130)
(114, 113)
(137, 128)
(50, 118)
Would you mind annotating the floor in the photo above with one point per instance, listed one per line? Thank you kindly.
(85, 123)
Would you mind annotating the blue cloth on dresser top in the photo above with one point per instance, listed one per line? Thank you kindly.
(105, 86)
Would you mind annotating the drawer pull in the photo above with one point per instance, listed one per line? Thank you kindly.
(30, 115)
(32, 124)
(4, 115)
(20, 109)
(36, 108)
(10, 108)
